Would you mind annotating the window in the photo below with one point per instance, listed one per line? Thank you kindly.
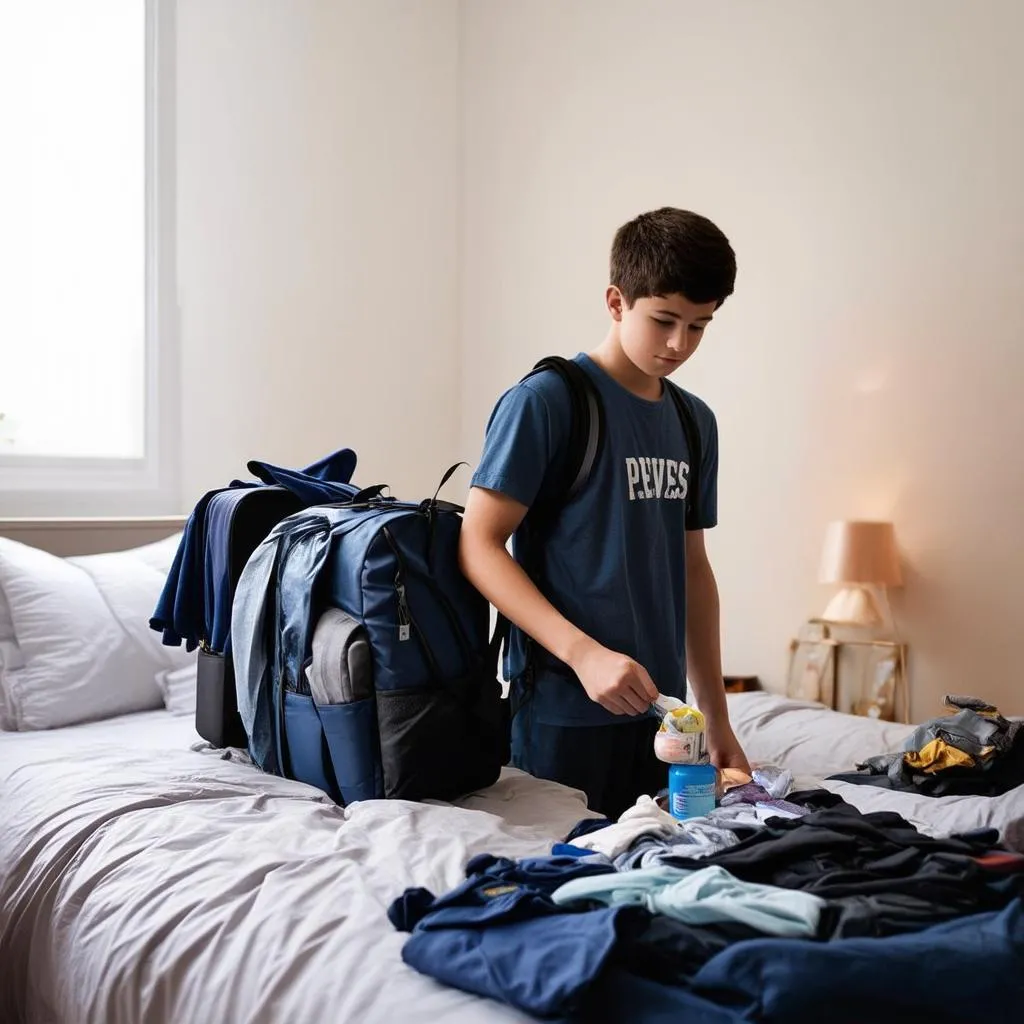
(85, 210)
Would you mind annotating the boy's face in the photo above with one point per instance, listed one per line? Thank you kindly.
(659, 333)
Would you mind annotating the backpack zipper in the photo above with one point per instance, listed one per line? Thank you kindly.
(440, 596)
(404, 619)
(406, 623)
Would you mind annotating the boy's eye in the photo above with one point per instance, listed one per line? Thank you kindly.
(697, 327)
(664, 323)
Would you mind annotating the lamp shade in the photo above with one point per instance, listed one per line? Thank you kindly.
(858, 551)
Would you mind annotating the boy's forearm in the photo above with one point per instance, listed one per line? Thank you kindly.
(703, 642)
(704, 665)
(493, 571)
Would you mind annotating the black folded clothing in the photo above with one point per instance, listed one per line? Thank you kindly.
(880, 875)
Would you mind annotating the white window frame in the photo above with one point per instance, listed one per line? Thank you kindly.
(59, 486)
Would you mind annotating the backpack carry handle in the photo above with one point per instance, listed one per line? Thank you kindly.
(367, 494)
(447, 476)
(431, 505)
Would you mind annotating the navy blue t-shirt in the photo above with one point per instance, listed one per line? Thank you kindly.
(615, 563)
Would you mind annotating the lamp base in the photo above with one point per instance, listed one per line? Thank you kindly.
(853, 606)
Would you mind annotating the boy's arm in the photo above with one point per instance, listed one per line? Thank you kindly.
(614, 681)
(704, 655)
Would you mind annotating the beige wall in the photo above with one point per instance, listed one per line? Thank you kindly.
(317, 208)
(867, 159)
(342, 165)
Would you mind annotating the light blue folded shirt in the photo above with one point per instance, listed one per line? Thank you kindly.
(702, 897)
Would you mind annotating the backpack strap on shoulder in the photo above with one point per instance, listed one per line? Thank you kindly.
(586, 435)
(586, 431)
(693, 445)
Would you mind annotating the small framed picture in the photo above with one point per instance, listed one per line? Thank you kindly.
(871, 678)
(812, 670)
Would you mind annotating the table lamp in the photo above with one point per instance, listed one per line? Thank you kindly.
(859, 555)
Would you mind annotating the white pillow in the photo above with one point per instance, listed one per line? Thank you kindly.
(6, 622)
(10, 658)
(81, 629)
(131, 587)
(179, 689)
(159, 555)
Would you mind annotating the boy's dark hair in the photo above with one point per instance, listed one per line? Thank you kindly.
(672, 252)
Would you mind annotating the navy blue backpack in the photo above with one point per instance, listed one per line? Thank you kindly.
(363, 664)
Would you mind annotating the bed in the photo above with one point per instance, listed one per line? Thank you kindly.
(145, 877)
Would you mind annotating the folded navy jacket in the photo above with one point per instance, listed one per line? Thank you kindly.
(195, 604)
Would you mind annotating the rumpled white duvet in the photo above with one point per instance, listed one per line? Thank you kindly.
(142, 882)
(161, 885)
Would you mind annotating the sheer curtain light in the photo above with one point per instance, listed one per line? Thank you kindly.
(73, 208)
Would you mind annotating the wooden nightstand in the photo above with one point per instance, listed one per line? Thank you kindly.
(742, 684)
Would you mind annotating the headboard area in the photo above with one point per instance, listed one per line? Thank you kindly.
(90, 536)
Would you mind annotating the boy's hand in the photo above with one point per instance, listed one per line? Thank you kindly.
(614, 681)
(724, 749)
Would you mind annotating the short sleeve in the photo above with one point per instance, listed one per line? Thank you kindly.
(519, 445)
(707, 493)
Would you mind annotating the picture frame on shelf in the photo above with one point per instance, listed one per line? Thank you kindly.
(857, 675)
(812, 668)
(872, 678)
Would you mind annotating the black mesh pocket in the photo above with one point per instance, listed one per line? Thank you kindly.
(439, 746)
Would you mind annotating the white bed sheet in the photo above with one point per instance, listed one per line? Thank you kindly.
(143, 731)
(142, 881)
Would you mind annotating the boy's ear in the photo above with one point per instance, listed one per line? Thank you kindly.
(615, 302)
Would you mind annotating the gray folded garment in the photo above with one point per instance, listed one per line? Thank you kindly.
(977, 729)
(341, 669)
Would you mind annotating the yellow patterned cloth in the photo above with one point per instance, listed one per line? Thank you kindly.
(937, 755)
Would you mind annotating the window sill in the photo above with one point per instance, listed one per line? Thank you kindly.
(85, 487)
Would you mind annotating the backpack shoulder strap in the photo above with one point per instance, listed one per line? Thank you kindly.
(586, 431)
(586, 434)
(684, 409)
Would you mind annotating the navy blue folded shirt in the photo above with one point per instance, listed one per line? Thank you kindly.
(968, 969)
(488, 877)
(499, 934)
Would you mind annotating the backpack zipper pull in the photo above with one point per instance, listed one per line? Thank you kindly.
(403, 612)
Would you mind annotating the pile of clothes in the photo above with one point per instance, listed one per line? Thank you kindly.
(771, 908)
(973, 752)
